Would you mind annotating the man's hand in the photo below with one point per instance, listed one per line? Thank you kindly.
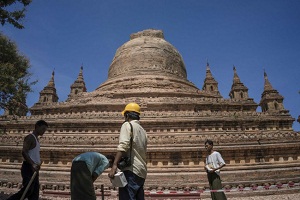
(114, 167)
(36, 167)
(94, 176)
(113, 171)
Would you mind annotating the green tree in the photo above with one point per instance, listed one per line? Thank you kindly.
(14, 78)
(13, 14)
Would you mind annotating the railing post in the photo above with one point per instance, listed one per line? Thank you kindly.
(102, 192)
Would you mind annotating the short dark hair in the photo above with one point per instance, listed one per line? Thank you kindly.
(210, 142)
(41, 123)
(132, 115)
(112, 158)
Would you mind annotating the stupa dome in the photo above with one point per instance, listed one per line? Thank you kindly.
(147, 52)
(147, 63)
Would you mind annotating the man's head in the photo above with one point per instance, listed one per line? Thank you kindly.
(209, 145)
(111, 159)
(132, 111)
(40, 127)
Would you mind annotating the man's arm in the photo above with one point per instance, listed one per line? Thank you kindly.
(102, 165)
(220, 161)
(94, 176)
(124, 141)
(114, 167)
(221, 166)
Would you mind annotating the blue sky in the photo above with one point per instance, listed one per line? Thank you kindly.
(252, 35)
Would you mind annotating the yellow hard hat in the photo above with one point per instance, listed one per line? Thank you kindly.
(132, 107)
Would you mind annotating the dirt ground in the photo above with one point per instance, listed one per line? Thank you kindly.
(269, 197)
(278, 196)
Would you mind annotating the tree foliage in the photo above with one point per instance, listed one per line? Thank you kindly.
(14, 78)
(13, 15)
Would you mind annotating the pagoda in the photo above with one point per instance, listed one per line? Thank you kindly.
(259, 147)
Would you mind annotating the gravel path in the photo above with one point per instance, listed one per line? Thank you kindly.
(270, 197)
(295, 196)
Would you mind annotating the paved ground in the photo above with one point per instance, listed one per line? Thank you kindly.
(273, 195)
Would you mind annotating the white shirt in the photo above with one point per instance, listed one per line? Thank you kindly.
(139, 147)
(215, 160)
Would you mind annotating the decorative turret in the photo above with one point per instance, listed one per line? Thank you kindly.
(238, 90)
(48, 94)
(271, 100)
(210, 84)
(79, 85)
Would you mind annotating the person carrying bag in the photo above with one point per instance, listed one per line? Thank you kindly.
(133, 144)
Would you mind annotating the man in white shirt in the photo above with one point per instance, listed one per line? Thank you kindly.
(136, 172)
(214, 162)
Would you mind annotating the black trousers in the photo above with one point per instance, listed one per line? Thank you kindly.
(33, 192)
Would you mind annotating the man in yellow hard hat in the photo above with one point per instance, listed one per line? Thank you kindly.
(135, 170)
